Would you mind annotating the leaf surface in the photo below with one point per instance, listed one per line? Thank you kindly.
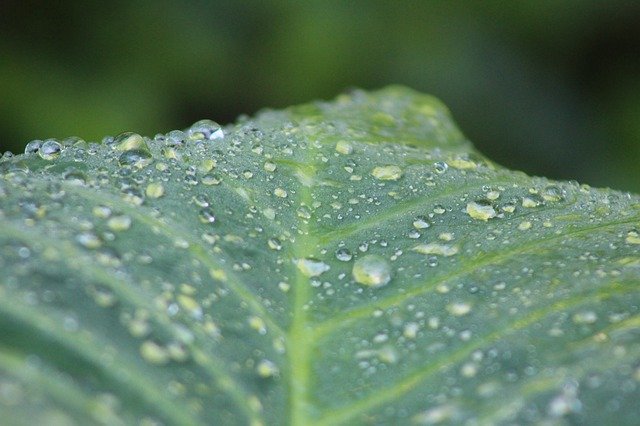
(350, 262)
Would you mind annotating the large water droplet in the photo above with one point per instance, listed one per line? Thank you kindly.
(205, 129)
(371, 270)
(50, 149)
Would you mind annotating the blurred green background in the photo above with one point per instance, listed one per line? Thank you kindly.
(548, 87)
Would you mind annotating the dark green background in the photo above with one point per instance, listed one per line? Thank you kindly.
(549, 87)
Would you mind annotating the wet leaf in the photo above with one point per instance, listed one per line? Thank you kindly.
(351, 262)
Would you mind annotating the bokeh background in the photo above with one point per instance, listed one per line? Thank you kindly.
(551, 87)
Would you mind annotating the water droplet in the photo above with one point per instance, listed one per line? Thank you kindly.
(553, 193)
(88, 240)
(438, 209)
(154, 353)
(155, 190)
(633, 237)
(135, 157)
(311, 267)
(459, 309)
(371, 270)
(33, 146)
(274, 244)
(585, 317)
(387, 172)
(211, 179)
(531, 201)
(266, 369)
(481, 210)
(344, 147)
(128, 141)
(524, 226)
(102, 212)
(421, 222)
(269, 166)
(279, 192)
(50, 149)
(175, 138)
(303, 212)
(440, 166)
(207, 215)
(119, 223)
(205, 129)
(343, 255)
(436, 249)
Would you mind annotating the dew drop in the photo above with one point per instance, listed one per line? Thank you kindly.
(119, 223)
(129, 141)
(311, 267)
(33, 146)
(421, 222)
(154, 353)
(207, 215)
(459, 309)
(88, 240)
(279, 192)
(481, 210)
(441, 167)
(50, 150)
(274, 244)
(211, 179)
(633, 237)
(436, 249)
(205, 129)
(155, 190)
(270, 166)
(343, 255)
(266, 369)
(344, 147)
(372, 271)
(387, 172)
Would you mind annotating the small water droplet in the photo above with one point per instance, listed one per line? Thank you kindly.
(279, 192)
(633, 237)
(88, 240)
(207, 215)
(343, 255)
(459, 309)
(481, 210)
(274, 244)
(585, 317)
(387, 172)
(436, 249)
(344, 147)
(303, 212)
(421, 222)
(155, 190)
(154, 353)
(270, 166)
(553, 193)
(311, 267)
(266, 369)
(119, 223)
(372, 271)
(211, 179)
(440, 166)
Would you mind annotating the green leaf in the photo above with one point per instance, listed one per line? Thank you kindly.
(351, 262)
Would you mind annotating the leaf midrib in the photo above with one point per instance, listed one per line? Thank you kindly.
(299, 337)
